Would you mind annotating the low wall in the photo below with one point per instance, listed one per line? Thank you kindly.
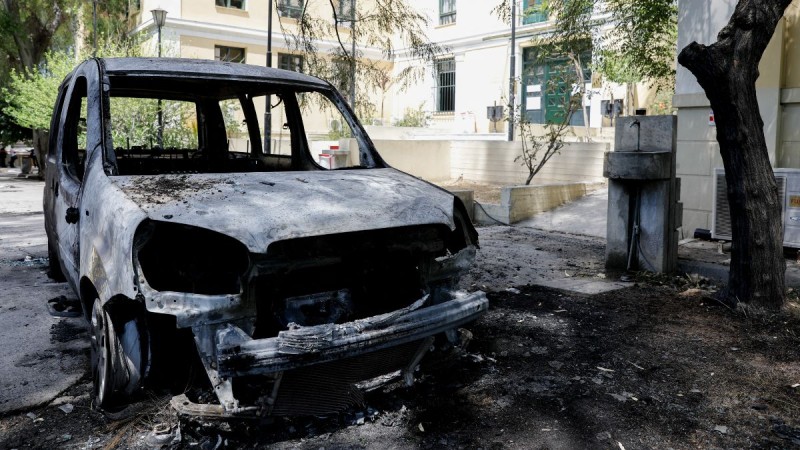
(493, 163)
(523, 202)
(489, 162)
(429, 160)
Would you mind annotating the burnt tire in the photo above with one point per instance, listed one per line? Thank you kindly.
(54, 267)
(115, 364)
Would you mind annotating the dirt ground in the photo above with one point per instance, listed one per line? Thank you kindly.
(659, 364)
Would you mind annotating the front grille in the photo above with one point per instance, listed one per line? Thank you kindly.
(341, 277)
(330, 387)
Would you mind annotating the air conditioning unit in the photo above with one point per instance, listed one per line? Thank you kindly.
(788, 192)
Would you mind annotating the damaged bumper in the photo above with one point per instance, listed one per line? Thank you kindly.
(321, 369)
(238, 355)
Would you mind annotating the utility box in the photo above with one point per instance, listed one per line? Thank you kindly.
(644, 212)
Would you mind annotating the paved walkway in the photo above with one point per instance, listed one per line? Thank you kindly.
(585, 216)
(42, 355)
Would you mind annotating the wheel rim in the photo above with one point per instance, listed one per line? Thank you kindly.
(99, 352)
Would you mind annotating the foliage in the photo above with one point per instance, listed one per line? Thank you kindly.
(537, 149)
(643, 40)
(9, 130)
(413, 117)
(639, 45)
(378, 24)
(30, 95)
(134, 122)
(29, 28)
(662, 103)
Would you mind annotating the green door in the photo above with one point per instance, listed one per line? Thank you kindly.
(557, 92)
(546, 93)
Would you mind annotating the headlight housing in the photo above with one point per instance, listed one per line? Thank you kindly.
(184, 258)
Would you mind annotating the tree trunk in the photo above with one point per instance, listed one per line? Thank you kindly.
(727, 70)
(40, 147)
(576, 61)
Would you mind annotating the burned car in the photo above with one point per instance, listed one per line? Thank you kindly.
(186, 235)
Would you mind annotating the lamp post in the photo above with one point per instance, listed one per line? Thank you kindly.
(268, 107)
(512, 82)
(159, 19)
(94, 26)
(353, 52)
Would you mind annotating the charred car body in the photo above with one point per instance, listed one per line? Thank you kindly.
(298, 286)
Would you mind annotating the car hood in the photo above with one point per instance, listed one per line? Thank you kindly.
(263, 207)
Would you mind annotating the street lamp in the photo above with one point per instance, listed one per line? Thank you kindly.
(268, 109)
(160, 18)
(512, 111)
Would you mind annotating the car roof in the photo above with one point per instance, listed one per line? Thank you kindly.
(204, 68)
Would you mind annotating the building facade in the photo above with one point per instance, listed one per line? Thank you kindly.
(236, 31)
(474, 72)
(471, 75)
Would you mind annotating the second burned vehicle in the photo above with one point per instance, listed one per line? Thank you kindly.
(295, 286)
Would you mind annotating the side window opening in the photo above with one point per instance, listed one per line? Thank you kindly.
(73, 149)
(55, 129)
(280, 133)
(331, 141)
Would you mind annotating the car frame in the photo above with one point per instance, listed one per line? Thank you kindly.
(295, 287)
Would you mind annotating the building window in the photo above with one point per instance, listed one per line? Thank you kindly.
(446, 85)
(237, 4)
(229, 54)
(344, 11)
(447, 12)
(290, 62)
(533, 11)
(290, 8)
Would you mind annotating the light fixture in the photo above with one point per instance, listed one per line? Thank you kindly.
(159, 17)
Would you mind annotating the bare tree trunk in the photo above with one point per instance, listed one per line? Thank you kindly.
(727, 70)
(576, 61)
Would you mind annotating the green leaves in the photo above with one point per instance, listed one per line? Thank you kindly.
(32, 94)
(630, 40)
(642, 43)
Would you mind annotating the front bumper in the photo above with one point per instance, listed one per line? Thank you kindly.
(322, 369)
(238, 355)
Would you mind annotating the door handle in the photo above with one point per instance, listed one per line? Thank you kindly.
(72, 215)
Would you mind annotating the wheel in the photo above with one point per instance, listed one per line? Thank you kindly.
(116, 364)
(54, 270)
(101, 356)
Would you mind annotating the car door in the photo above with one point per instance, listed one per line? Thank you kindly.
(70, 156)
(52, 185)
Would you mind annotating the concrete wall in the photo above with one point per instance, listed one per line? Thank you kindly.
(490, 162)
(429, 160)
(523, 202)
(493, 163)
(527, 201)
